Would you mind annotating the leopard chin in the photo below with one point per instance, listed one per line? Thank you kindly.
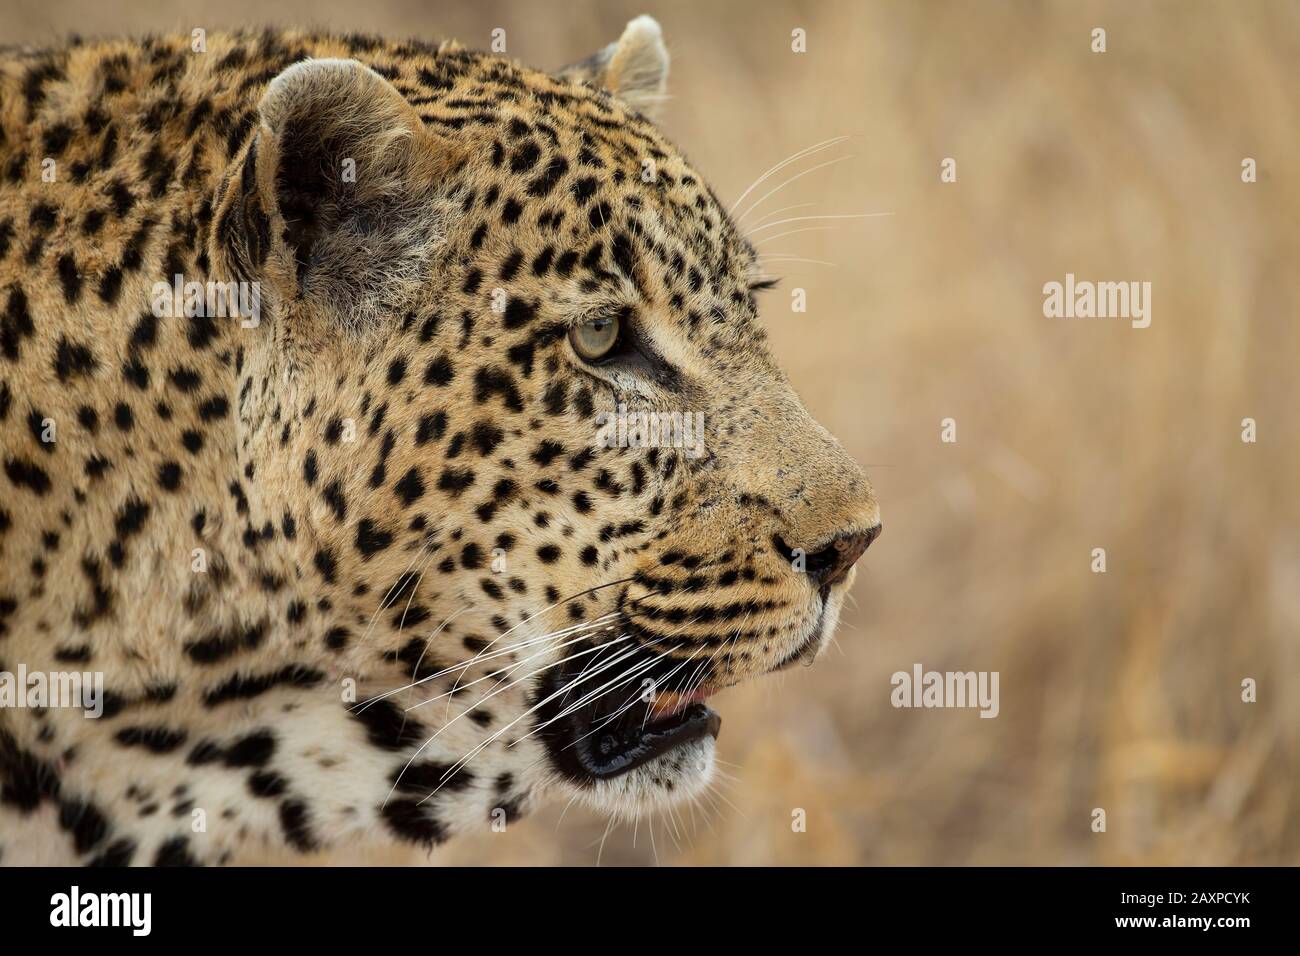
(681, 775)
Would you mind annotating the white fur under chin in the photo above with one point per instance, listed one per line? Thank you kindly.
(834, 604)
(682, 774)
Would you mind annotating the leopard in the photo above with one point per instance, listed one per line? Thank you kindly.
(391, 445)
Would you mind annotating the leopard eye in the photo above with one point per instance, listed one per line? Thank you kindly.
(596, 338)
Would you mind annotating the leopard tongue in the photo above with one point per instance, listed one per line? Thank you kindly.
(668, 703)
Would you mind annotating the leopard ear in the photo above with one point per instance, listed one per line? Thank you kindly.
(634, 68)
(330, 201)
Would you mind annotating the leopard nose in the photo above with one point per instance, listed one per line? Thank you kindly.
(831, 564)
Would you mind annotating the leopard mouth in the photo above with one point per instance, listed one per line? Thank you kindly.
(616, 733)
(654, 707)
(609, 750)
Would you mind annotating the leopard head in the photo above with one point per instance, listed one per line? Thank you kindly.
(510, 386)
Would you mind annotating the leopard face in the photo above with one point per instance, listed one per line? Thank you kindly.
(507, 458)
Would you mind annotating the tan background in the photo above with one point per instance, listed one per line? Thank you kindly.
(1120, 690)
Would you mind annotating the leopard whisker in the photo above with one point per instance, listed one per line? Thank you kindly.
(483, 653)
(794, 232)
(436, 631)
(792, 179)
(508, 649)
(785, 257)
(452, 772)
(560, 603)
(777, 212)
(383, 604)
(464, 761)
(855, 215)
(506, 670)
(456, 683)
(603, 838)
(598, 692)
(583, 702)
(794, 158)
(625, 707)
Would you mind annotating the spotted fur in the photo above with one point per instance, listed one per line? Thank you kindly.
(322, 562)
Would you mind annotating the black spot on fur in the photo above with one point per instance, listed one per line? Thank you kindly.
(253, 750)
(175, 852)
(519, 312)
(491, 381)
(169, 476)
(410, 488)
(16, 324)
(117, 854)
(295, 822)
(267, 784)
(245, 687)
(454, 481)
(371, 539)
(388, 726)
(214, 408)
(73, 360)
(414, 823)
(84, 821)
(158, 740)
(69, 278)
(26, 779)
(327, 565)
(525, 157)
(432, 427)
(25, 473)
(426, 776)
(439, 372)
(222, 645)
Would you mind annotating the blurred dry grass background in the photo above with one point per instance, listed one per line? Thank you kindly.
(1120, 690)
